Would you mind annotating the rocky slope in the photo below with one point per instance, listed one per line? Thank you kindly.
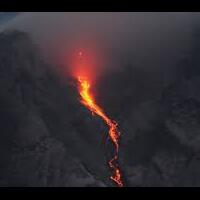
(49, 139)
(40, 141)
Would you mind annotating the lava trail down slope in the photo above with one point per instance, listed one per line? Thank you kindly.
(88, 101)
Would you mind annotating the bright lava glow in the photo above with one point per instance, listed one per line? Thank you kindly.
(88, 101)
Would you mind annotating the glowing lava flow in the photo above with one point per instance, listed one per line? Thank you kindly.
(88, 101)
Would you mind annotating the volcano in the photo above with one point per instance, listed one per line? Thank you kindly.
(133, 126)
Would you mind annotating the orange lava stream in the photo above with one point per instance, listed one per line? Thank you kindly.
(88, 101)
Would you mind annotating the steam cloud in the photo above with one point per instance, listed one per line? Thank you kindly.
(145, 39)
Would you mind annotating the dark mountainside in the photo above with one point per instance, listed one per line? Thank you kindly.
(49, 139)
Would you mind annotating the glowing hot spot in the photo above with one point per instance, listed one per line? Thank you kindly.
(80, 53)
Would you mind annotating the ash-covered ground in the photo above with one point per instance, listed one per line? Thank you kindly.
(49, 139)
